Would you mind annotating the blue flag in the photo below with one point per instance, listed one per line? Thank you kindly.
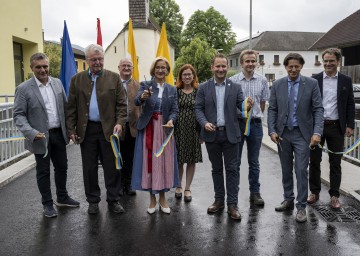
(68, 66)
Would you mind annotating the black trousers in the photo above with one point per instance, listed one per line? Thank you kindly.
(57, 154)
(127, 148)
(93, 146)
(335, 142)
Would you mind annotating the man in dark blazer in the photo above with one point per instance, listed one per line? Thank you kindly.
(216, 106)
(339, 121)
(39, 113)
(295, 122)
(133, 112)
(96, 109)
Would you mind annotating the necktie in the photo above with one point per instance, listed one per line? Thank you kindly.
(289, 123)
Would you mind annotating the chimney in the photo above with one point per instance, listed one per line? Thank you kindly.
(139, 11)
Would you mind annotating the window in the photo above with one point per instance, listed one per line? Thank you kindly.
(231, 63)
(77, 64)
(270, 77)
(276, 60)
(317, 62)
(261, 59)
(237, 62)
(18, 63)
(114, 49)
(84, 66)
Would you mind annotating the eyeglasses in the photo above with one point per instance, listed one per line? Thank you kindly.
(100, 59)
(126, 66)
(160, 68)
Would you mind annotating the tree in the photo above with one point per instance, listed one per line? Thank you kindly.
(168, 11)
(211, 26)
(53, 51)
(200, 55)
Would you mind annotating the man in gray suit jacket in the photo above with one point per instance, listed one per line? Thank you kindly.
(216, 106)
(295, 120)
(39, 114)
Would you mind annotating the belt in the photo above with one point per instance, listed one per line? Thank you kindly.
(94, 122)
(221, 128)
(52, 130)
(252, 121)
(331, 122)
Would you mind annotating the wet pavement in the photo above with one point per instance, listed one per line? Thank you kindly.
(188, 230)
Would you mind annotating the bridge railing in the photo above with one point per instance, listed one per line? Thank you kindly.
(355, 154)
(9, 150)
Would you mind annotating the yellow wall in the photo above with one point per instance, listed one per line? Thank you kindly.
(81, 65)
(20, 21)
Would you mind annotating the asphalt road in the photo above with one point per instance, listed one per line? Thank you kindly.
(188, 230)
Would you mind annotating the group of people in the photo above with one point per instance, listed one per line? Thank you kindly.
(162, 127)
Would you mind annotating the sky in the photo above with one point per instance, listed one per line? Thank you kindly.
(267, 15)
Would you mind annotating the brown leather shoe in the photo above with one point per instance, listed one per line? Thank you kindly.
(216, 206)
(313, 198)
(335, 203)
(234, 213)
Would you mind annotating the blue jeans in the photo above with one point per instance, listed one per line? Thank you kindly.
(253, 142)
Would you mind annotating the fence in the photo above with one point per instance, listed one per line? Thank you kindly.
(10, 150)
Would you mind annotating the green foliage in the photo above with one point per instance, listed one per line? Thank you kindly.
(168, 11)
(231, 73)
(53, 51)
(199, 54)
(212, 27)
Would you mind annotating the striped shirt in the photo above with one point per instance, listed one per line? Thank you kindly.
(256, 87)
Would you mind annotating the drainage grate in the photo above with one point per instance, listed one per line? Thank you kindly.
(345, 214)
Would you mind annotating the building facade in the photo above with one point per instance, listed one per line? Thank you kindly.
(21, 36)
(273, 46)
(146, 36)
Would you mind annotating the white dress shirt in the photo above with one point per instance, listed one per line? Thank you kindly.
(330, 97)
(48, 96)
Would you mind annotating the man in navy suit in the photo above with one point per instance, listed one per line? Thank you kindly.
(295, 122)
(339, 120)
(216, 106)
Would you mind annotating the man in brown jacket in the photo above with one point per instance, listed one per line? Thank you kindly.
(95, 110)
(127, 147)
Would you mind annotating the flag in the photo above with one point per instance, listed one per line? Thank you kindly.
(163, 50)
(99, 36)
(68, 66)
(132, 51)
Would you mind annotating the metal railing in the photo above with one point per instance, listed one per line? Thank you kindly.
(10, 150)
(355, 154)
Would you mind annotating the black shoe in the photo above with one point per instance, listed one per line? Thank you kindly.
(115, 207)
(129, 191)
(256, 199)
(285, 206)
(49, 211)
(178, 195)
(68, 202)
(93, 208)
(187, 198)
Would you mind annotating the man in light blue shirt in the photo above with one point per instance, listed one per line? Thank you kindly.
(255, 86)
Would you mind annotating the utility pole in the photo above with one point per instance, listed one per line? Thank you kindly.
(250, 37)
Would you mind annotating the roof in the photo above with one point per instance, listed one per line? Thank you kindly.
(77, 49)
(343, 34)
(151, 24)
(279, 41)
